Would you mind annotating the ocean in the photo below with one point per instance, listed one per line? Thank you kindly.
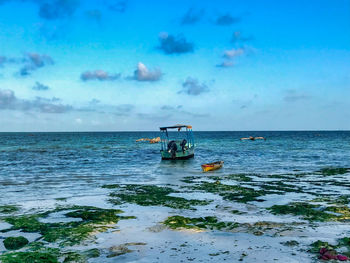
(41, 168)
(45, 165)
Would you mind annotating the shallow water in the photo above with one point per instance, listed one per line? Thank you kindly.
(44, 165)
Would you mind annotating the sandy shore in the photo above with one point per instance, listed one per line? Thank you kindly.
(211, 217)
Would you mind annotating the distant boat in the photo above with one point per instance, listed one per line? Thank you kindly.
(181, 146)
(212, 166)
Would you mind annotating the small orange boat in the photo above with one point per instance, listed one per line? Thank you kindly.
(212, 166)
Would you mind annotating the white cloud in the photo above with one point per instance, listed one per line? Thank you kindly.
(142, 73)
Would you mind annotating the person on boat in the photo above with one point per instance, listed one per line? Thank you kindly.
(183, 145)
(172, 148)
(253, 138)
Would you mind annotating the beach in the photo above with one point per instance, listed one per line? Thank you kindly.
(103, 197)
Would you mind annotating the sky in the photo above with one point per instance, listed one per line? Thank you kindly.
(124, 65)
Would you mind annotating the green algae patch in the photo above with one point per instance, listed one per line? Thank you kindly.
(342, 213)
(316, 246)
(38, 246)
(69, 233)
(111, 186)
(231, 192)
(66, 256)
(307, 211)
(80, 257)
(8, 209)
(345, 241)
(13, 243)
(236, 177)
(152, 195)
(198, 223)
(28, 257)
(96, 215)
(189, 179)
(334, 200)
(61, 199)
(333, 171)
(313, 212)
(265, 228)
(26, 223)
(74, 257)
(237, 212)
(92, 253)
(39, 252)
(280, 187)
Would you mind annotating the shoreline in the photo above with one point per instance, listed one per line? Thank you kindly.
(288, 233)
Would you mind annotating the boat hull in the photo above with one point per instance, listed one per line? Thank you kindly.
(180, 155)
(212, 166)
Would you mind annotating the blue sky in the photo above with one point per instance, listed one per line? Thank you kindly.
(111, 65)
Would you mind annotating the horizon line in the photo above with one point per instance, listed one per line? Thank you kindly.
(338, 130)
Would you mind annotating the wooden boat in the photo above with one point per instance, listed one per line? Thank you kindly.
(181, 146)
(212, 166)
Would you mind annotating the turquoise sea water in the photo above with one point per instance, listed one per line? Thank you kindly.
(48, 165)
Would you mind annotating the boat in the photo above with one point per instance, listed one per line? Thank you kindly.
(177, 142)
(212, 166)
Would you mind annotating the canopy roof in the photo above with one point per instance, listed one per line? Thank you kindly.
(177, 126)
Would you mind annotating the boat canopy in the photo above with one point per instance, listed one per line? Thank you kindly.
(177, 126)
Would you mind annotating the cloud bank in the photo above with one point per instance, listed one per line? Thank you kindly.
(8, 101)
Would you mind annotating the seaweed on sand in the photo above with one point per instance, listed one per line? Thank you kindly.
(236, 177)
(313, 212)
(231, 192)
(32, 257)
(14, 243)
(97, 215)
(208, 222)
(341, 213)
(37, 252)
(189, 179)
(8, 209)
(333, 171)
(280, 186)
(335, 200)
(93, 220)
(308, 211)
(151, 195)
